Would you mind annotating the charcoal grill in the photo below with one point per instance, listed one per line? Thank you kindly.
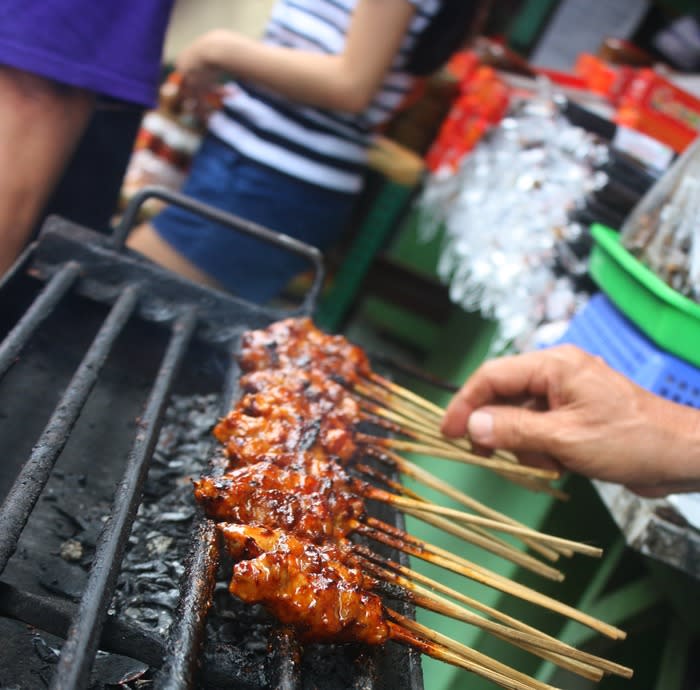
(95, 341)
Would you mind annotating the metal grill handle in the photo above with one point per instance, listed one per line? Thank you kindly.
(312, 254)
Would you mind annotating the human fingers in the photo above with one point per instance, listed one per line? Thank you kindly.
(190, 60)
(506, 378)
(518, 429)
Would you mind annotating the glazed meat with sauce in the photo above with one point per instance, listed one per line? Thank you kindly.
(276, 422)
(298, 343)
(314, 588)
(295, 492)
(321, 395)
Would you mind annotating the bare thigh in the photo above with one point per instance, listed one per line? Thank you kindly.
(145, 240)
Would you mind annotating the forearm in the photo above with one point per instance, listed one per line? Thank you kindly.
(320, 80)
(670, 462)
(40, 124)
(343, 81)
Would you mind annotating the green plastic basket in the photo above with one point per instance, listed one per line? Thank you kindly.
(668, 318)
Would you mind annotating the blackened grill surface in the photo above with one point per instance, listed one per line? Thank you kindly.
(57, 545)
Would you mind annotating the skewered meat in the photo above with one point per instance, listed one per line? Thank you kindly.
(281, 420)
(310, 586)
(300, 493)
(322, 395)
(298, 343)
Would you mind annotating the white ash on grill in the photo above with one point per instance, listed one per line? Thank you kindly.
(148, 587)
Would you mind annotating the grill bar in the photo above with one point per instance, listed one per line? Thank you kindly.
(54, 616)
(79, 650)
(33, 476)
(287, 659)
(187, 633)
(184, 644)
(41, 308)
(19, 266)
(366, 677)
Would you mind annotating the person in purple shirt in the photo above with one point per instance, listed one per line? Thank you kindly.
(58, 59)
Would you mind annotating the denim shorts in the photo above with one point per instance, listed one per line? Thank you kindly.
(252, 269)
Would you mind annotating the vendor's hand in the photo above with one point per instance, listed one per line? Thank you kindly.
(200, 64)
(564, 408)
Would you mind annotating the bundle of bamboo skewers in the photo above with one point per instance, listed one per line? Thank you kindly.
(292, 493)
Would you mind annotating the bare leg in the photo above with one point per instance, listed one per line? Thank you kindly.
(145, 240)
(40, 124)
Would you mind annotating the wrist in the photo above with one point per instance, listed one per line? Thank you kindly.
(679, 461)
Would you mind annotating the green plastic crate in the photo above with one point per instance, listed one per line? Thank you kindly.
(669, 319)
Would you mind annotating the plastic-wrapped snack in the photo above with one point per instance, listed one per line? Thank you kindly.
(503, 213)
(663, 230)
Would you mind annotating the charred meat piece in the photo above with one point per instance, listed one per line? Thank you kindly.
(299, 493)
(318, 394)
(296, 342)
(314, 588)
(273, 422)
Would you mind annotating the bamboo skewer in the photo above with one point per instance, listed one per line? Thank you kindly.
(420, 474)
(510, 629)
(532, 643)
(459, 648)
(398, 415)
(471, 534)
(422, 435)
(420, 509)
(432, 443)
(419, 430)
(417, 417)
(435, 413)
(579, 668)
(397, 411)
(420, 421)
(468, 653)
(564, 648)
(402, 392)
(423, 507)
(496, 547)
(443, 653)
(385, 534)
(478, 536)
(466, 457)
(536, 485)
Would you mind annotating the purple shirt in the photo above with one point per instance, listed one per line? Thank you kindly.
(111, 47)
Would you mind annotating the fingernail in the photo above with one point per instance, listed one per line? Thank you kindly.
(480, 427)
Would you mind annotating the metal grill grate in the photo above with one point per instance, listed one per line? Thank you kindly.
(76, 261)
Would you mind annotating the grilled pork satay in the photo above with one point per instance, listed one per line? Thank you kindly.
(325, 596)
(318, 390)
(299, 493)
(298, 343)
(282, 425)
(314, 588)
(313, 382)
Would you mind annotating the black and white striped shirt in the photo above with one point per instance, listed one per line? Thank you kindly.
(326, 148)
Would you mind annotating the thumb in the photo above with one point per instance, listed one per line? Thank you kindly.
(512, 428)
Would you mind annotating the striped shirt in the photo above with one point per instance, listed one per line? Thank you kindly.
(323, 147)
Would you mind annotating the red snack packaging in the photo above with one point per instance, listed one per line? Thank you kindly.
(659, 108)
